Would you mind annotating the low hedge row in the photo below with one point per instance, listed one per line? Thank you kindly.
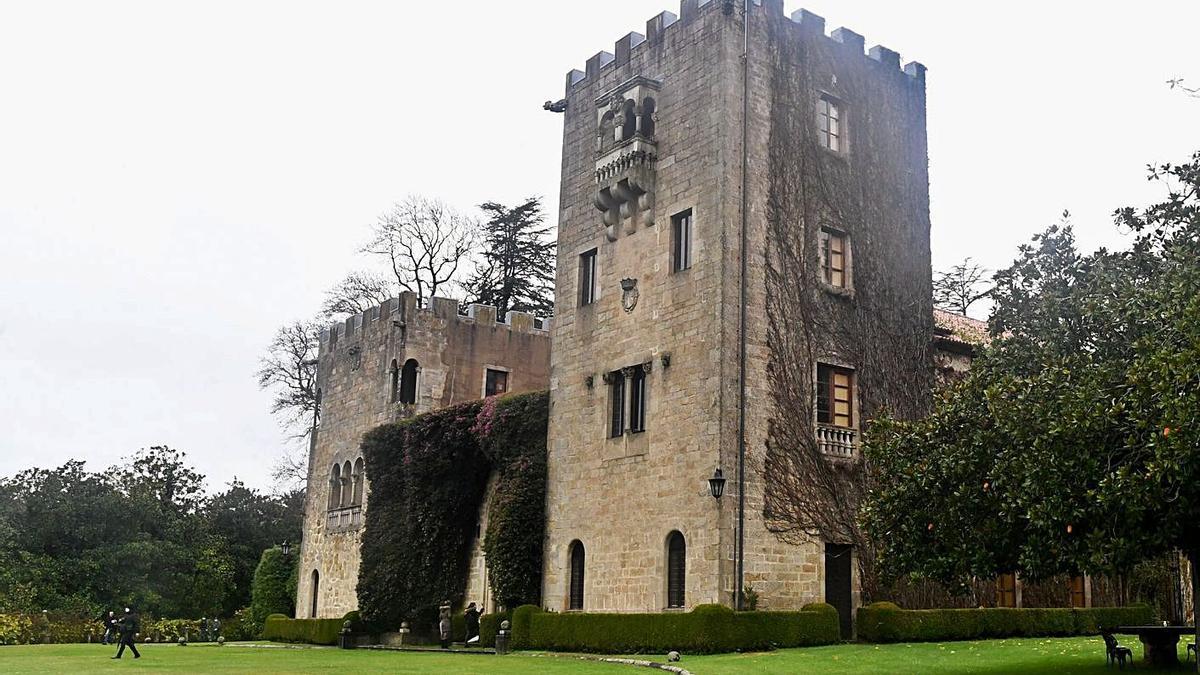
(489, 625)
(885, 622)
(17, 629)
(706, 629)
(313, 631)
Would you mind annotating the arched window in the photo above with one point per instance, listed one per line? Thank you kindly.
(647, 128)
(606, 129)
(316, 580)
(676, 569)
(408, 382)
(576, 596)
(629, 110)
(358, 482)
(335, 486)
(347, 483)
(395, 388)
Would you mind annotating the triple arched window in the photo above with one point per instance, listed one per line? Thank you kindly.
(346, 484)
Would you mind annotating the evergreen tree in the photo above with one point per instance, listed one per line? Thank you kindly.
(516, 271)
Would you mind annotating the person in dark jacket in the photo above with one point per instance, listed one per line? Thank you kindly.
(130, 626)
(472, 621)
(109, 621)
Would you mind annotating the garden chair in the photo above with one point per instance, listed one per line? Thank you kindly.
(1114, 652)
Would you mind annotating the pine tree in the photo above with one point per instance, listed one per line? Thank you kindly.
(516, 271)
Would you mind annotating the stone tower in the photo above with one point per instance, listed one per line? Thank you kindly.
(728, 135)
(387, 364)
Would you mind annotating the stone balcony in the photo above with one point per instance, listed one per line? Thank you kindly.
(344, 518)
(837, 441)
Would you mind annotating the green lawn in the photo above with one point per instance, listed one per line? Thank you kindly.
(1061, 656)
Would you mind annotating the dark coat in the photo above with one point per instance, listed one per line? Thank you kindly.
(130, 624)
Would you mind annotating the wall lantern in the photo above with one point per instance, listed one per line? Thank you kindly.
(287, 548)
(716, 484)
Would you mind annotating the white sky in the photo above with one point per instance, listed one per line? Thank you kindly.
(179, 179)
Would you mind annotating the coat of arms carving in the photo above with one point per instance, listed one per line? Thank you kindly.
(629, 294)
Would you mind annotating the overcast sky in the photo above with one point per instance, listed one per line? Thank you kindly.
(179, 179)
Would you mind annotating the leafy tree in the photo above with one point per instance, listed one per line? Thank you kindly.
(1074, 443)
(274, 589)
(248, 522)
(517, 267)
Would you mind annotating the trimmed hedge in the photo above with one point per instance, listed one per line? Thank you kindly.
(313, 631)
(885, 622)
(706, 629)
(489, 625)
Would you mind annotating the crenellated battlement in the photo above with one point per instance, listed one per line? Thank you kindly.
(657, 27)
(400, 311)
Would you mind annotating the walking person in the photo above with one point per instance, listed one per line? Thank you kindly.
(129, 630)
(472, 620)
(109, 620)
(444, 624)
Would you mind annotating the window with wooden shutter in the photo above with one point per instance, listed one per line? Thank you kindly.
(495, 383)
(676, 569)
(835, 396)
(835, 258)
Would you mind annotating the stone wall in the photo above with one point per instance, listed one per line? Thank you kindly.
(621, 497)
(354, 377)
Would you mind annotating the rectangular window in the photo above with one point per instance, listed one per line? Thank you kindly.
(637, 400)
(1006, 590)
(587, 277)
(681, 241)
(834, 258)
(829, 123)
(835, 396)
(616, 421)
(496, 383)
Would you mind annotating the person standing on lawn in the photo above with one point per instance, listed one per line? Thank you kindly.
(472, 621)
(444, 624)
(129, 630)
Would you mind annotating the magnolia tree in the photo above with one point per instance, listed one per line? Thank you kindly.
(1074, 444)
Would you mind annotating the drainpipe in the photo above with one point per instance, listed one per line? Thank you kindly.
(739, 601)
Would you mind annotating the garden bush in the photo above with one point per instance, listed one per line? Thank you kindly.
(885, 622)
(706, 629)
(313, 631)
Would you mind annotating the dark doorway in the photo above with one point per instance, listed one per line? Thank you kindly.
(837, 584)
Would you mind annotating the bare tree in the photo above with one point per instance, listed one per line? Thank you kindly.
(1177, 83)
(355, 294)
(961, 286)
(289, 372)
(424, 242)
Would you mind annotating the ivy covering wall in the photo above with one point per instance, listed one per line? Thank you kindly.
(428, 478)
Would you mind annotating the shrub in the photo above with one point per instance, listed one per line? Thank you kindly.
(241, 626)
(313, 631)
(885, 622)
(521, 618)
(274, 587)
(706, 629)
